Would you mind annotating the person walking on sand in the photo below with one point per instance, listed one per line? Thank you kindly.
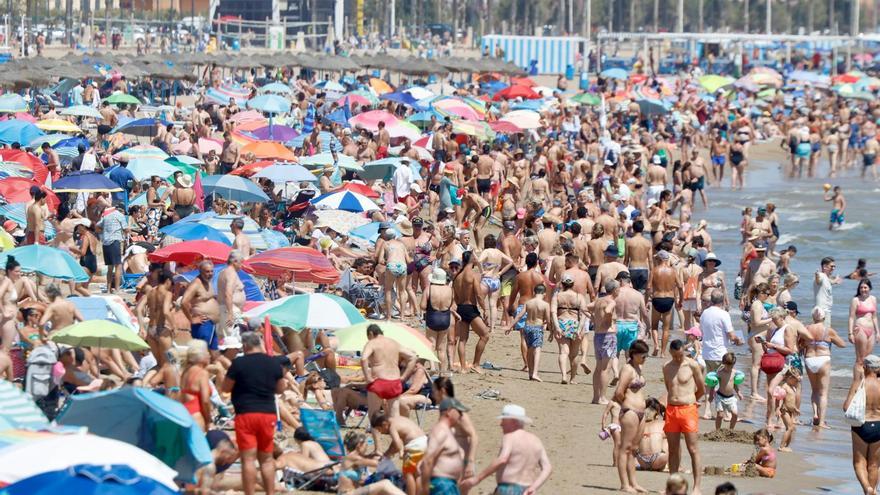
(523, 291)
(443, 464)
(395, 257)
(632, 313)
(665, 291)
(683, 378)
(569, 311)
(537, 315)
(466, 289)
(604, 339)
(380, 362)
(817, 361)
(522, 465)
(865, 438)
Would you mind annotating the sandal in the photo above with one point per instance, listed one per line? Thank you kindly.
(489, 394)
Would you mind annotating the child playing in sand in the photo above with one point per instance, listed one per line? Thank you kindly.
(612, 410)
(790, 407)
(727, 394)
(765, 456)
(537, 313)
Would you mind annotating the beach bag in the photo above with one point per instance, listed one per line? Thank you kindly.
(772, 363)
(38, 379)
(855, 413)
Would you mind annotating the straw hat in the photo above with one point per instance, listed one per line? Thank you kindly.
(405, 228)
(185, 181)
(513, 181)
(328, 169)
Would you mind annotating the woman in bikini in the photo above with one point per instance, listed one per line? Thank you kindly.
(758, 305)
(196, 389)
(569, 310)
(653, 448)
(862, 323)
(710, 279)
(817, 361)
(9, 303)
(87, 250)
(632, 414)
(493, 263)
(866, 436)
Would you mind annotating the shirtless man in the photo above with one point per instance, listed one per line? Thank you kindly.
(839, 207)
(698, 177)
(604, 339)
(639, 257)
(719, 151)
(610, 268)
(466, 288)
(656, 179)
(380, 362)
(109, 116)
(241, 242)
(230, 156)
(512, 247)
(607, 221)
(522, 465)
(547, 237)
(632, 313)
(199, 304)
(60, 313)
(536, 312)
(684, 385)
(230, 296)
(407, 440)
(443, 464)
(383, 140)
(485, 169)
(595, 253)
(523, 291)
(36, 217)
(394, 255)
(665, 291)
(53, 162)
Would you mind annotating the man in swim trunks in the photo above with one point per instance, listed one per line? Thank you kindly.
(632, 313)
(523, 291)
(719, 151)
(443, 464)
(656, 179)
(230, 295)
(839, 211)
(380, 362)
(683, 378)
(536, 313)
(466, 290)
(522, 465)
(605, 339)
(394, 254)
(199, 304)
(665, 291)
(638, 257)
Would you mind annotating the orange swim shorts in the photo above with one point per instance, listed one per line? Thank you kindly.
(682, 419)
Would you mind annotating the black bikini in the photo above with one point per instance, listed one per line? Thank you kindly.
(869, 432)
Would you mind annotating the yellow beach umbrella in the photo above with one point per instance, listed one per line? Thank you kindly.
(58, 125)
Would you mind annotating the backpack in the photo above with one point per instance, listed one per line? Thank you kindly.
(38, 380)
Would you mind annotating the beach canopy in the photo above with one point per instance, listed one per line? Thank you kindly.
(269, 104)
(103, 334)
(281, 173)
(86, 182)
(122, 99)
(82, 111)
(344, 200)
(19, 131)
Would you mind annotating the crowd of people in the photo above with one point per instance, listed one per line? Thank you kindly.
(584, 224)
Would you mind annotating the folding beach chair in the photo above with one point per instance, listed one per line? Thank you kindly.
(323, 428)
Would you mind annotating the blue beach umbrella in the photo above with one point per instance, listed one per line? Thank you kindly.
(89, 479)
(85, 182)
(252, 290)
(234, 188)
(18, 131)
(192, 231)
(48, 261)
(370, 231)
(12, 103)
(145, 127)
(615, 73)
(276, 88)
(269, 104)
(399, 97)
(144, 168)
(327, 140)
(145, 419)
(280, 173)
(344, 200)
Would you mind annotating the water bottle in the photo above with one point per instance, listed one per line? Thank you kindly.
(738, 288)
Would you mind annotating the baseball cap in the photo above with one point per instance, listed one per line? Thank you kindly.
(452, 403)
(792, 306)
(509, 225)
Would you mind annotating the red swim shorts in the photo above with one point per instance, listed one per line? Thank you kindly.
(382, 152)
(255, 431)
(31, 238)
(386, 389)
(682, 419)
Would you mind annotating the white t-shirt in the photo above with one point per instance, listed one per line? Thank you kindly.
(822, 291)
(715, 323)
(403, 180)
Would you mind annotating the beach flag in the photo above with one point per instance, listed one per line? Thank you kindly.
(200, 191)
(309, 120)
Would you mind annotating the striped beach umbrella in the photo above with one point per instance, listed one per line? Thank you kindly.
(344, 200)
(18, 411)
(310, 311)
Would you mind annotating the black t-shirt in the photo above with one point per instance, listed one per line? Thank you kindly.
(255, 378)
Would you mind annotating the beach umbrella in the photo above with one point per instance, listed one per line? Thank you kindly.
(123, 99)
(424, 117)
(208, 144)
(188, 252)
(222, 223)
(87, 182)
(269, 104)
(145, 127)
(140, 151)
(523, 119)
(27, 454)
(418, 92)
(356, 100)
(144, 168)
(344, 200)
(18, 131)
(340, 221)
(713, 83)
(17, 409)
(358, 187)
(324, 311)
(477, 129)
(15, 169)
(370, 231)
(277, 88)
(52, 139)
(191, 231)
(305, 263)
(104, 334)
(382, 169)
(591, 99)
(399, 97)
(516, 91)
(331, 86)
(269, 149)
(652, 107)
(370, 120)
(58, 125)
(281, 173)
(252, 291)
(88, 479)
(455, 108)
(252, 168)
(108, 307)
(28, 160)
(379, 86)
(504, 127)
(280, 133)
(48, 261)
(615, 73)
(17, 190)
(234, 188)
(143, 418)
(82, 111)
(247, 116)
(12, 103)
(326, 158)
(354, 338)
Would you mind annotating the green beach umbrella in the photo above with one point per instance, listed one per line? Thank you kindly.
(122, 98)
(587, 99)
(100, 333)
